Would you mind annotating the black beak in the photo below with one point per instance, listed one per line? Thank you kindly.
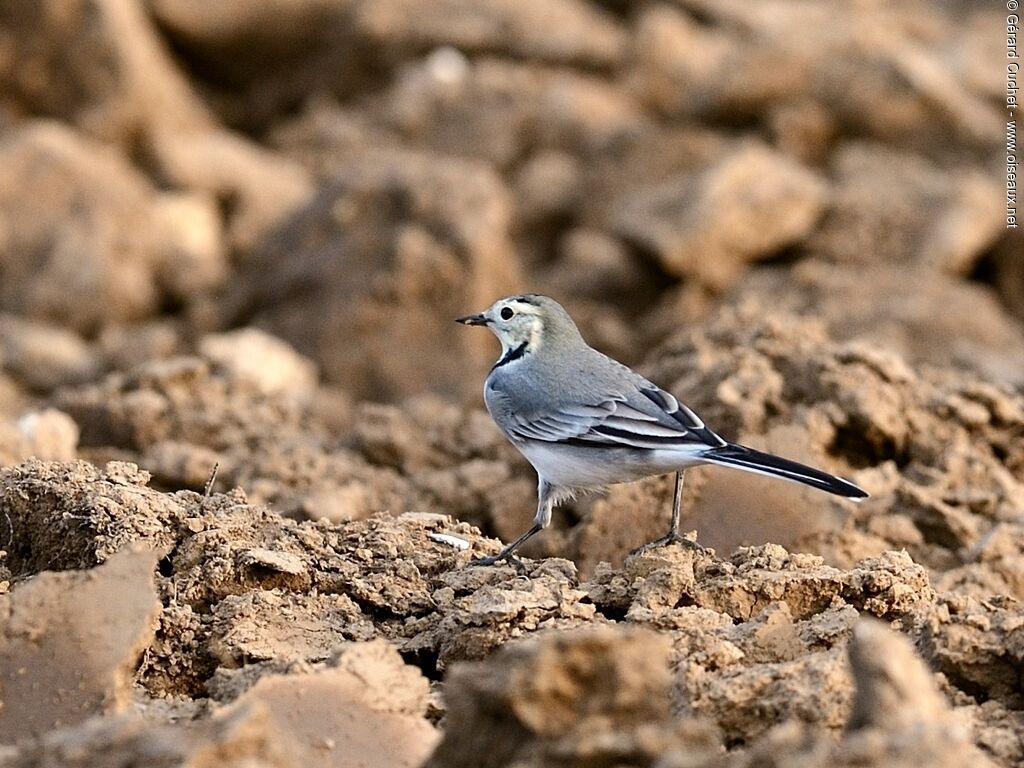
(472, 320)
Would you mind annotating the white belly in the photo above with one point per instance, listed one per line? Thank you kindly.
(592, 468)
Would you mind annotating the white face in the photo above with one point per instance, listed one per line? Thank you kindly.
(513, 320)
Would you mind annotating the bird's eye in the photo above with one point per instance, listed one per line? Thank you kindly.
(506, 313)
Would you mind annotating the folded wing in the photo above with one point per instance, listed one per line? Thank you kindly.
(645, 418)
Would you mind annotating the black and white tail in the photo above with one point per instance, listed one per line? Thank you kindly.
(741, 457)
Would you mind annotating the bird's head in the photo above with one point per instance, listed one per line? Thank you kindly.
(528, 321)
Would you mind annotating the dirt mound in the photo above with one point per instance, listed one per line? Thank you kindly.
(108, 246)
(937, 450)
(972, 333)
(68, 651)
(422, 237)
(599, 696)
(252, 603)
(272, 432)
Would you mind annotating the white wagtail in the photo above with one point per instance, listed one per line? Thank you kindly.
(585, 421)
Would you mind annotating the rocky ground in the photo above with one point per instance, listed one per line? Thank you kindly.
(236, 235)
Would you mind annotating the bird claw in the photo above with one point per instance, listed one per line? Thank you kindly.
(672, 537)
(508, 557)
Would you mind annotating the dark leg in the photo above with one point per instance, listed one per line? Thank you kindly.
(673, 536)
(508, 553)
(540, 521)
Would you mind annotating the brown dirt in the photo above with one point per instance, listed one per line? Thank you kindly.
(252, 602)
(68, 651)
(236, 235)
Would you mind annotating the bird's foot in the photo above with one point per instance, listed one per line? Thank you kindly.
(508, 557)
(672, 537)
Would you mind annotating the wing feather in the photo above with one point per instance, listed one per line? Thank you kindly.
(644, 427)
(645, 418)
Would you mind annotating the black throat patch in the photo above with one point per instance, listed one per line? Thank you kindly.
(512, 354)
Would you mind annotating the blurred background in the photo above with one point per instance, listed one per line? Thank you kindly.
(185, 180)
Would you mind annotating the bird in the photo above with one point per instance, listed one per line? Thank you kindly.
(586, 421)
